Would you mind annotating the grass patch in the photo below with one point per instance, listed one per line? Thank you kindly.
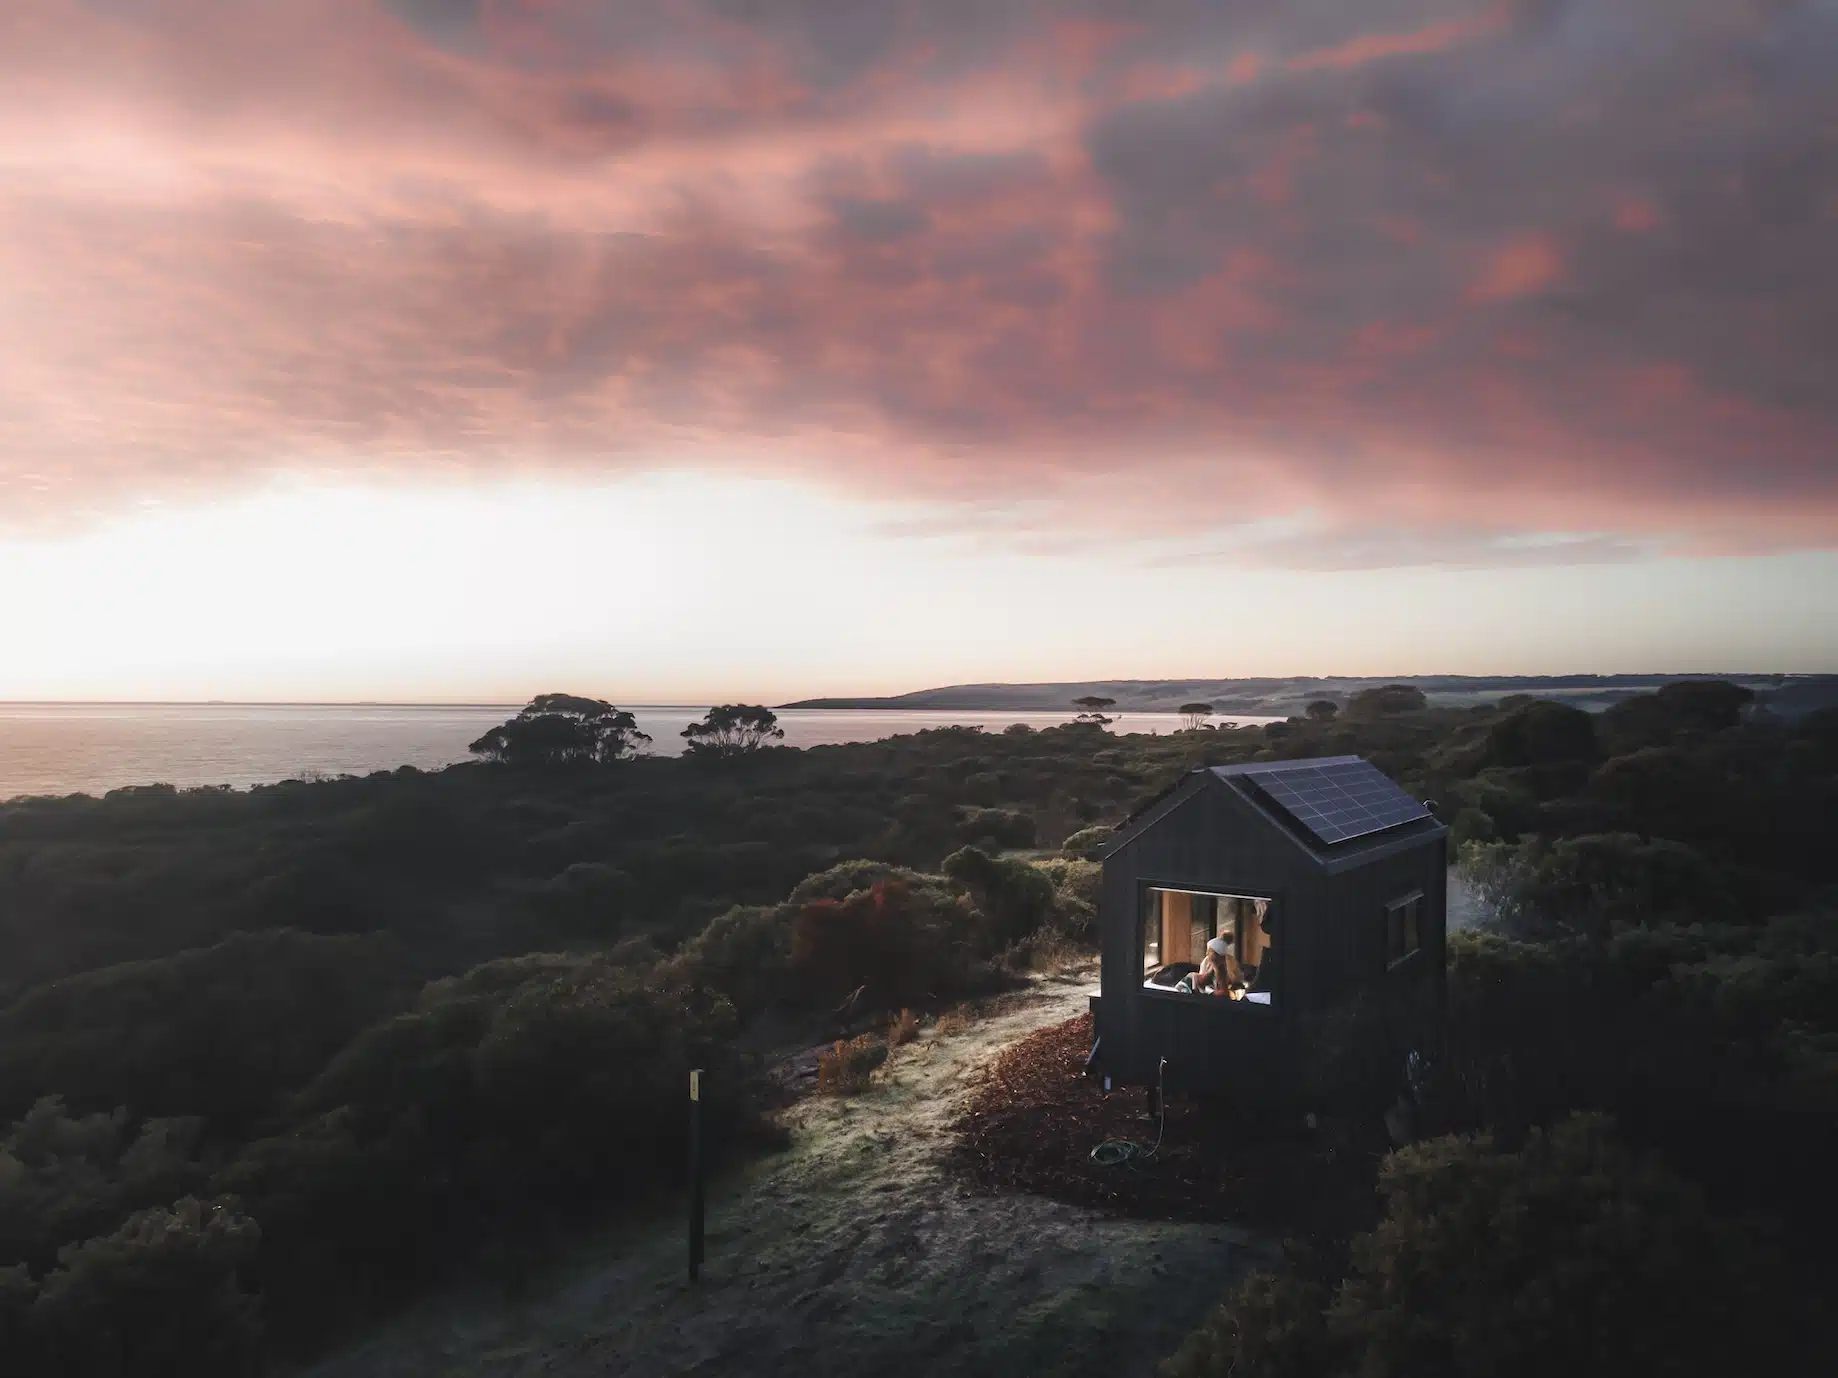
(954, 1021)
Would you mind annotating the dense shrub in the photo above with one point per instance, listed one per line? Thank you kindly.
(588, 900)
(1385, 700)
(216, 1032)
(1087, 844)
(158, 1298)
(517, 1098)
(1681, 709)
(898, 935)
(1540, 733)
(1015, 897)
(1351, 1059)
(1569, 1256)
(745, 954)
(66, 1177)
(1077, 888)
(1596, 883)
(997, 828)
(841, 881)
(1273, 1325)
(1717, 1042)
(1501, 802)
(899, 944)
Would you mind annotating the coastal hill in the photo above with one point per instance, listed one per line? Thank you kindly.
(1790, 695)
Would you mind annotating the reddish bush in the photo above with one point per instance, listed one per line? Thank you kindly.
(902, 1028)
(903, 948)
(847, 1069)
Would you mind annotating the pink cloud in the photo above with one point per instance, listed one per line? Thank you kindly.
(1368, 48)
(1520, 268)
(1131, 273)
(1635, 214)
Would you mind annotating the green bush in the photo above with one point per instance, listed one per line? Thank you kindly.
(216, 1032)
(1679, 710)
(1015, 897)
(844, 879)
(997, 827)
(1540, 733)
(588, 899)
(158, 1298)
(65, 1177)
(1719, 1042)
(1570, 1256)
(1273, 1326)
(527, 1095)
(1598, 883)
(1077, 888)
(745, 954)
(1386, 700)
(905, 936)
(1087, 844)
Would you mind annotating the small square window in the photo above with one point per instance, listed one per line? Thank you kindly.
(1403, 928)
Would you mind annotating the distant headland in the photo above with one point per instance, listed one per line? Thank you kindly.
(1789, 695)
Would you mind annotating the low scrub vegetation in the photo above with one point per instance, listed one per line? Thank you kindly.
(847, 1068)
(1569, 1255)
(369, 1028)
(902, 1029)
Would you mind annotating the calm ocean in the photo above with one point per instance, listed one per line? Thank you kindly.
(64, 748)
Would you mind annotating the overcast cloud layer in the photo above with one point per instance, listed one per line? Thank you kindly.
(1394, 282)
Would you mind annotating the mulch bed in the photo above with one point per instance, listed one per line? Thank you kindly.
(1032, 1123)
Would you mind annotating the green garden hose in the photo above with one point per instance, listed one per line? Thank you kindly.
(1118, 1152)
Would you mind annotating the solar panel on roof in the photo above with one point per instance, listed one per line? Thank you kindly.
(1338, 801)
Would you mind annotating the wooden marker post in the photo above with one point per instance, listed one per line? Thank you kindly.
(695, 1174)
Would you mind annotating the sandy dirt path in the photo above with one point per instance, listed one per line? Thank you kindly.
(852, 1252)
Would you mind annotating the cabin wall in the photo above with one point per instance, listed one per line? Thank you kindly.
(1351, 948)
(1329, 927)
(1209, 841)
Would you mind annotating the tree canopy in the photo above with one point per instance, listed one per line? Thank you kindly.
(1193, 714)
(563, 729)
(1386, 700)
(1093, 706)
(733, 729)
(1323, 710)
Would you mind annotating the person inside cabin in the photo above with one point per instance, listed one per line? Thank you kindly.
(1219, 972)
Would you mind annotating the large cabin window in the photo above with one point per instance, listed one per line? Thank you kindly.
(1182, 932)
(1403, 928)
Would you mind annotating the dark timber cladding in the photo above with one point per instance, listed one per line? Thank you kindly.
(1312, 882)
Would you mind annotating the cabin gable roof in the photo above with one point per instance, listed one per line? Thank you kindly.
(1235, 780)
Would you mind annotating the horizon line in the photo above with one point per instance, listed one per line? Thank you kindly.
(906, 693)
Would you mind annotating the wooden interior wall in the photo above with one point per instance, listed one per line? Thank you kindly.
(1177, 928)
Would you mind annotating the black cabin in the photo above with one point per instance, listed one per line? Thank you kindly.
(1310, 882)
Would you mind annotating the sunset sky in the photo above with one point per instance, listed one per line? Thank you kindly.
(696, 349)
